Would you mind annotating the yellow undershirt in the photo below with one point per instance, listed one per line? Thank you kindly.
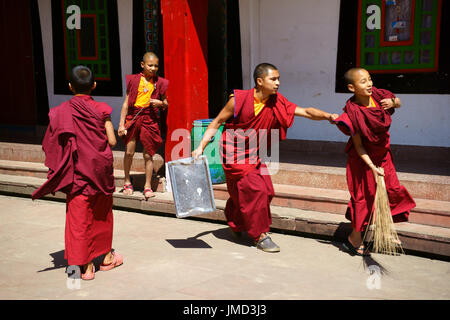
(145, 91)
(258, 105)
(371, 103)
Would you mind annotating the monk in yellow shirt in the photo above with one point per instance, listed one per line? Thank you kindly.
(139, 118)
(248, 115)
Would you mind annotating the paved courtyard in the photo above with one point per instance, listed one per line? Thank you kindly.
(166, 258)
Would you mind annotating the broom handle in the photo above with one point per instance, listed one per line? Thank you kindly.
(131, 122)
(382, 178)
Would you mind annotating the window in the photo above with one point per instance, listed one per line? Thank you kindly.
(94, 44)
(402, 43)
(147, 32)
(407, 39)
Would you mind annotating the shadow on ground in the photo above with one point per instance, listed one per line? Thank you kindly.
(58, 261)
(222, 233)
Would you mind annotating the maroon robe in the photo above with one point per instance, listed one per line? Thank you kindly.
(80, 163)
(373, 125)
(249, 184)
(144, 127)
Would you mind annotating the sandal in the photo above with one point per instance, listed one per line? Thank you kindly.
(117, 261)
(148, 193)
(354, 251)
(127, 187)
(91, 276)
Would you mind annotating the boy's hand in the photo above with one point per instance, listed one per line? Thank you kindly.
(333, 117)
(156, 103)
(197, 152)
(377, 171)
(387, 103)
(122, 131)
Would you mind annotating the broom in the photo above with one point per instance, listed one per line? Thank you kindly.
(385, 238)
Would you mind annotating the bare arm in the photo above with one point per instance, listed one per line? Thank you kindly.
(364, 156)
(122, 131)
(315, 114)
(391, 103)
(163, 103)
(226, 113)
(110, 134)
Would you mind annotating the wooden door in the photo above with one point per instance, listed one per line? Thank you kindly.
(18, 103)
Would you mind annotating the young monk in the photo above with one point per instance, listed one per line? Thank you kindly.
(367, 118)
(256, 112)
(146, 92)
(77, 147)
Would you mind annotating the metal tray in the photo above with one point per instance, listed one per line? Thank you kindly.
(191, 186)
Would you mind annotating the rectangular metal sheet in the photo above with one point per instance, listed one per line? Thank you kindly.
(191, 186)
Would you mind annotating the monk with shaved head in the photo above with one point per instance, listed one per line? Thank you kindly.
(249, 116)
(77, 146)
(140, 116)
(367, 119)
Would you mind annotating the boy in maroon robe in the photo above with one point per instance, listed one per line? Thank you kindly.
(77, 146)
(139, 119)
(249, 114)
(367, 118)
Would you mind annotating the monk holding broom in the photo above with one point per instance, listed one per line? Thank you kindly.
(367, 118)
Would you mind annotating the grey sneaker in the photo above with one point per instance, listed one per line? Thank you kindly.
(267, 245)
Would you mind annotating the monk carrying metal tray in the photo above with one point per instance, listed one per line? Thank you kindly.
(191, 186)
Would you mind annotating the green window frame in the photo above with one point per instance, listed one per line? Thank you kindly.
(98, 37)
(151, 10)
(419, 54)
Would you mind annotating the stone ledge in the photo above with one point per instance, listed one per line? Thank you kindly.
(419, 238)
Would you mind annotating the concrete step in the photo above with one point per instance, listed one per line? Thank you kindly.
(21, 152)
(417, 238)
(39, 170)
(421, 186)
(427, 212)
(34, 153)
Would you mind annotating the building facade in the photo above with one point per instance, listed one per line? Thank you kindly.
(207, 48)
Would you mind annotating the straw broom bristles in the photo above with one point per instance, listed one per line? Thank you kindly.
(385, 238)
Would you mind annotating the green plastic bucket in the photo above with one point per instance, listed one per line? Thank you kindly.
(211, 151)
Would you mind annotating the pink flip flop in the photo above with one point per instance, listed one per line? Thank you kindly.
(147, 191)
(128, 186)
(90, 276)
(117, 261)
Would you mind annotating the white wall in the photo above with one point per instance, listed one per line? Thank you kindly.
(300, 37)
(125, 14)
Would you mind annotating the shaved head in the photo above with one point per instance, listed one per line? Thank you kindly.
(82, 79)
(349, 76)
(149, 55)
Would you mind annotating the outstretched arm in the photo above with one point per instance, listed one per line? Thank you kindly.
(226, 113)
(315, 114)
